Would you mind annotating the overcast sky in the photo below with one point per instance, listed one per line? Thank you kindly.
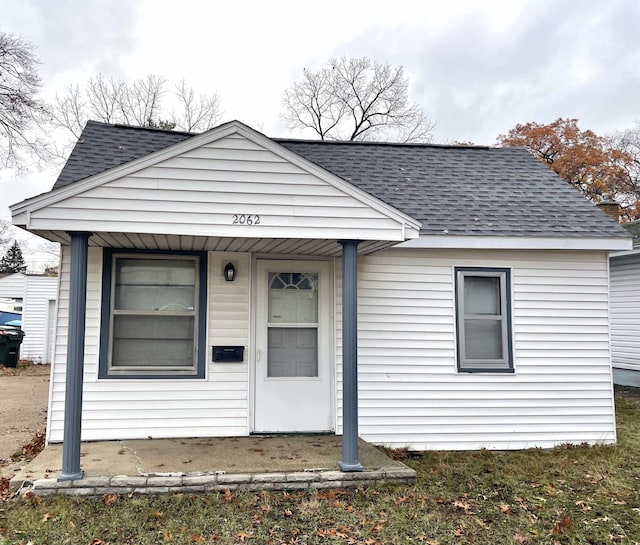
(476, 67)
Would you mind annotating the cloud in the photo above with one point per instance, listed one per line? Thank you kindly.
(477, 79)
(74, 36)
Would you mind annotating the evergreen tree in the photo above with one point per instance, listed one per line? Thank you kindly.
(13, 260)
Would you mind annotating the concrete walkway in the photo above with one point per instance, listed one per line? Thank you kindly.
(169, 465)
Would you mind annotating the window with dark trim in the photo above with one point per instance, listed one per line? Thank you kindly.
(483, 319)
(153, 315)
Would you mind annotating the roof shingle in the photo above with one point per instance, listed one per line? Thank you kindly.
(455, 190)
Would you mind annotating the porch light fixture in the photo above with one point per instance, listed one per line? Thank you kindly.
(229, 272)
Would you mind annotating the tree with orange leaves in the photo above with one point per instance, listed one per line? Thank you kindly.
(587, 161)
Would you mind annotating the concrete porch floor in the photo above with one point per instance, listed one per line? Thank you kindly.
(197, 465)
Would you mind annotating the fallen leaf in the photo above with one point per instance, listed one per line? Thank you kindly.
(464, 505)
(195, 538)
(108, 499)
(287, 512)
(458, 532)
(96, 541)
(228, 495)
(519, 538)
(157, 514)
(242, 536)
(46, 517)
(504, 508)
(562, 526)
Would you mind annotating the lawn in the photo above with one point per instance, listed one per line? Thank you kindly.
(564, 496)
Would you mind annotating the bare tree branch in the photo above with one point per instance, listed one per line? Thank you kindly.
(139, 103)
(356, 99)
(196, 114)
(311, 103)
(105, 97)
(70, 110)
(22, 114)
(627, 143)
(5, 232)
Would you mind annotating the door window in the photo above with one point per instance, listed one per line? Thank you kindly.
(292, 325)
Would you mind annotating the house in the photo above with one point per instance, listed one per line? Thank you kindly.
(33, 296)
(625, 320)
(420, 296)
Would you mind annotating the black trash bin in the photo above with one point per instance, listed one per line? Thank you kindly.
(10, 340)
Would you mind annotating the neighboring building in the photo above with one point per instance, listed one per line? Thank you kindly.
(625, 311)
(482, 291)
(12, 292)
(33, 296)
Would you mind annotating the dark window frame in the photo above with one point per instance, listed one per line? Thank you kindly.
(104, 370)
(506, 364)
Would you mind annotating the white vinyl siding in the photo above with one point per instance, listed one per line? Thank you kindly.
(410, 392)
(625, 312)
(12, 286)
(198, 193)
(39, 292)
(141, 408)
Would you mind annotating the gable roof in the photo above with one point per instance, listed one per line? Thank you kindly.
(452, 190)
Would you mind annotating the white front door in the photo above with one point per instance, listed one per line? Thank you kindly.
(293, 371)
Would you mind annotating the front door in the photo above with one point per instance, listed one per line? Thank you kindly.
(293, 357)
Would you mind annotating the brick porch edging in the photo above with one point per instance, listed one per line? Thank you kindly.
(206, 482)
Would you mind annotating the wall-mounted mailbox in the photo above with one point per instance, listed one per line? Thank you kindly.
(227, 353)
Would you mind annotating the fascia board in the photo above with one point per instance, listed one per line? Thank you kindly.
(517, 243)
(625, 253)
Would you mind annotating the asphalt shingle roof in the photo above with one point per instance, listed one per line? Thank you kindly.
(456, 190)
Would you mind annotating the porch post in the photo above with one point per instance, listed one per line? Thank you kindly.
(350, 357)
(75, 358)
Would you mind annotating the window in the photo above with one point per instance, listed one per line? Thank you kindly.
(483, 319)
(153, 315)
(292, 325)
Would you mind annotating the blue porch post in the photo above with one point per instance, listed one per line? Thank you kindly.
(75, 358)
(350, 357)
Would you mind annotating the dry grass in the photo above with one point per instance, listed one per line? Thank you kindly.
(25, 368)
(568, 495)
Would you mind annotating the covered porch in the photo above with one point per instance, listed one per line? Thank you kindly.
(250, 268)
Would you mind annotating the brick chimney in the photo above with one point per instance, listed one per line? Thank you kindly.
(610, 207)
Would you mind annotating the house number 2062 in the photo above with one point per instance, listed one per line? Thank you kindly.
(246, 219)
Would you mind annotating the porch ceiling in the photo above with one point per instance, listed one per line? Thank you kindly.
(285, 246)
